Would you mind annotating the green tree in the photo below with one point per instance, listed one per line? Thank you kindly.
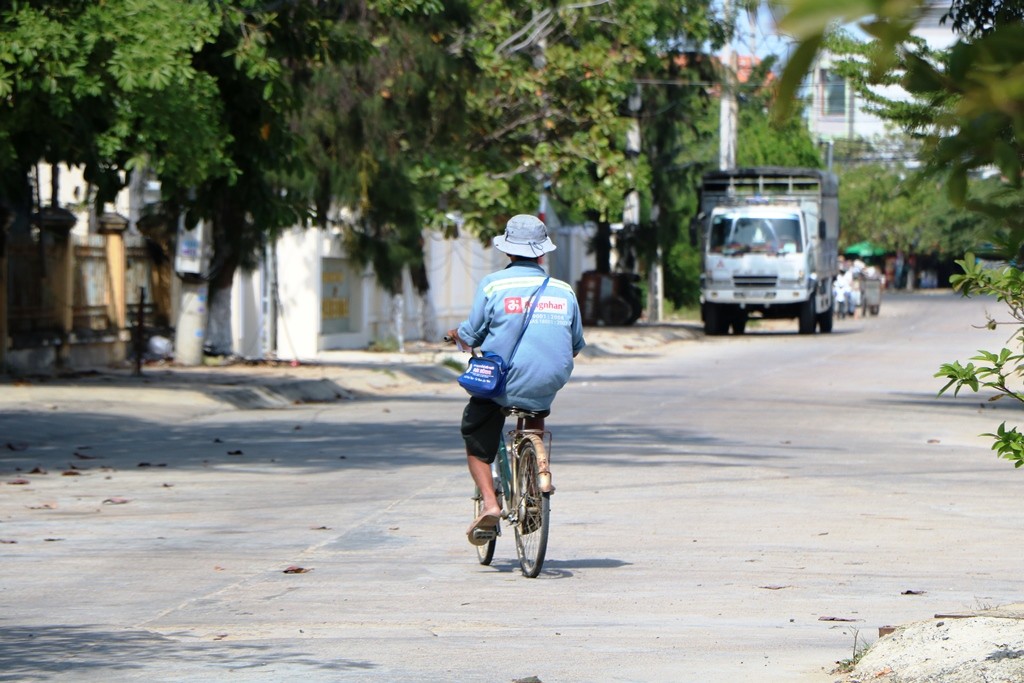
(891, 206)
(475, 109)
(371, 125)
(550, 105)
(105, 86)
(262, 55)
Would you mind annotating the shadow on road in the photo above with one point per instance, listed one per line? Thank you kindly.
(41, 653)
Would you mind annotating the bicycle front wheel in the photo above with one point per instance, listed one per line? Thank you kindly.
(533, 507)
(485, 552)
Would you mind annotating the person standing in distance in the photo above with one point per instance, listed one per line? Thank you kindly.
(542, 364)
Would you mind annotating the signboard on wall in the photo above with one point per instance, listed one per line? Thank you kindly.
(335, 296)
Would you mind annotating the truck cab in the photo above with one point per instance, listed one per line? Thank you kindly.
(769, 247)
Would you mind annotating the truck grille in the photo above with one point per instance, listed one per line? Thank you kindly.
(758, 281)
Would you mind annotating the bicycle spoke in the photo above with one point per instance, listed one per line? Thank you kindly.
(532, 507)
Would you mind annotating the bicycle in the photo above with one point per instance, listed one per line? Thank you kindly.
(522, 483)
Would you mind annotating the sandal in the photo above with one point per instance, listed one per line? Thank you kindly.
(482, 529)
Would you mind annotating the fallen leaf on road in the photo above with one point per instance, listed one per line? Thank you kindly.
(168, 486)
(775, 588)
(19, 482)
(217, 440)
(7, 541)
(16, 446)
(235, 453)
(83, 456)
(38, 470)
(836, 619)
(934, 441)
(116, 501)
(70, 473)
(220, 636)
(320, 528)
(297, 570)
(911, 592)
(52, 540)
(44, 506)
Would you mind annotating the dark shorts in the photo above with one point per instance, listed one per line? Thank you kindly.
(482, 424)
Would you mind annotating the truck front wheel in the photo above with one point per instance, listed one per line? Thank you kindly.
(738, 321)
(807, 317)
(716, 321)
(825, 320)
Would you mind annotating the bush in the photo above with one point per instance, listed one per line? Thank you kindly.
(682, 275)
(993, 368)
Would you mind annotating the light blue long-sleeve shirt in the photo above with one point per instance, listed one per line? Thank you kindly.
(544, 361)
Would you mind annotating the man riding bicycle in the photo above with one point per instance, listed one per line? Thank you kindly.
(543, 361)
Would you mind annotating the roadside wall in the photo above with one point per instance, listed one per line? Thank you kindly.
(325, 301)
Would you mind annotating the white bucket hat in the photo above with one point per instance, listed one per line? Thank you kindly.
(525, 235)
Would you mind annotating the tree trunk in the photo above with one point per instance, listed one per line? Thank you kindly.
(6, 217)
(602, 243)
(219, 341)
(429, 328)
(227, 232)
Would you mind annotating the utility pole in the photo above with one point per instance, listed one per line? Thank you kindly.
(191, 262)
(728, 114)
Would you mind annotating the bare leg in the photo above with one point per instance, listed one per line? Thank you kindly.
(481, 473)
(543, 463)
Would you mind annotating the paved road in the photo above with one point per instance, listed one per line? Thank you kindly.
(739, 508)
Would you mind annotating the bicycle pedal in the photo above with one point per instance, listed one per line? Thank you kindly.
(485, 535)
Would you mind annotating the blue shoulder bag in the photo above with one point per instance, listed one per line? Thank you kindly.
(486, 374)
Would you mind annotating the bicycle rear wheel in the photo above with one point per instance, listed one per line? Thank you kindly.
(485, 552)
(533, 507)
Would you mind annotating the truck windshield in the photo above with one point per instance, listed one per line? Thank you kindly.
(761, 235)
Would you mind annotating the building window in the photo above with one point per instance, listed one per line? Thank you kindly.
(833, 101)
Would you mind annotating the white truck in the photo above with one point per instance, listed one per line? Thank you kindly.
(770, 247)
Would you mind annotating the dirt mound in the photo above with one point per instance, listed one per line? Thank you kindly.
(987, 647)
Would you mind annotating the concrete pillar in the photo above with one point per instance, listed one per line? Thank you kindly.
(56, 224)
(112, 226)
(190, 329)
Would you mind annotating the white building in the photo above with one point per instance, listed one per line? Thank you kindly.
(836, 112)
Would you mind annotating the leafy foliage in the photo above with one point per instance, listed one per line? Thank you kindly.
(889, 205)
(103, 85)
(371, 126)
(993, 369)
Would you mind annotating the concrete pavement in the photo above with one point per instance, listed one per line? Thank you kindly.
(244, 523)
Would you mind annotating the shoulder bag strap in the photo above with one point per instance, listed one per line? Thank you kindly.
(526, 322)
